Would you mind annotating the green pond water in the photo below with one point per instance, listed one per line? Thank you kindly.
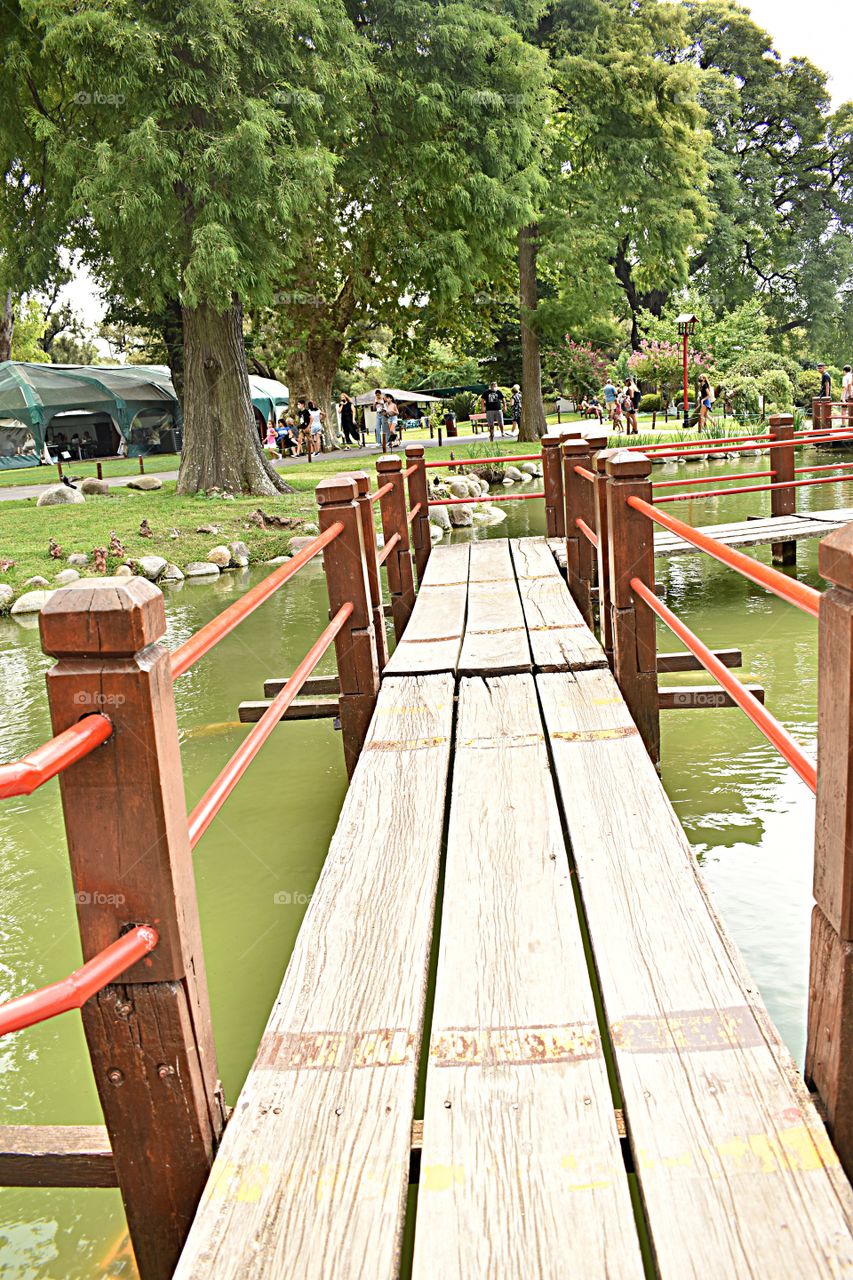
(747, 815)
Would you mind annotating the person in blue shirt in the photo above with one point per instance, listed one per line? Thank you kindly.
(610, 395)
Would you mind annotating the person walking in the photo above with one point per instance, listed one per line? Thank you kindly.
(629, 410)
(347, 412)
(706, 400)
(611, 397)
(381, 430)
(847, 395)
(494, 403)
(516, 406)
(392, 413)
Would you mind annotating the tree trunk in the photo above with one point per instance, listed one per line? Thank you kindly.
(221, 445)
(310, 375)
(7, 324)
(533, 425)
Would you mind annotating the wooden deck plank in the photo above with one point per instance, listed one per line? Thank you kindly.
(749, 533)
(737, 1175)
(496, 640)
(311, 1177)
(432, 640)
(521, 1170)
(559, 638)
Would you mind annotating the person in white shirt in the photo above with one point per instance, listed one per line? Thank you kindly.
(847, 384)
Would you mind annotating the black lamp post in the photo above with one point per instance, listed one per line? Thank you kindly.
(686, 326)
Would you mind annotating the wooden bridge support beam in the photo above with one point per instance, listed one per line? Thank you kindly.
(552, 483)
(345, 563)
(631, 555)
(829, 1050)
(783, 502)
(401, 582)
(579, 504)
(150, 1036)
(419, 493)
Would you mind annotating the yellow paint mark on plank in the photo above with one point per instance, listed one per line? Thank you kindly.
(336, 1050)
(405, 744)
(596, 735)
(441, 1177)
(514, 1046)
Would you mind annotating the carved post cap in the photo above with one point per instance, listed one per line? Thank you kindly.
(781, 420)
(341, 488)
(599, 460)
(114, 617)
(414, 451)
(389, 462)
(835, 557)
(575, 446)
(623, 464)
(362, 481)
(551, 442)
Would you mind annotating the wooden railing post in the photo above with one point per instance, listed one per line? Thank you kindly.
(552, 483)
(419, 493)
(821, 414)
(345, 563)
(401, 582)
(578, 503)
(631, 555)
(783, 502)
(605, 621)
(374, 577)
(829, 1049)
(149, 1035)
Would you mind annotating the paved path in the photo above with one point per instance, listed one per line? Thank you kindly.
(16, 492)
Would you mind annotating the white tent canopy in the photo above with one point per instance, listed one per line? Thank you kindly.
(404, 397)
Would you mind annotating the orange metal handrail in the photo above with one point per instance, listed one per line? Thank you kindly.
(414, 511)
(496, 497)
(380, 493)
(23, 777)
(713, 451)
(383, 555)
(744, 475)
(216, 795)
(73, 992)
(754, 488)
(584, 474)
(187, 654)
(479, 462)
(796, 593)
(763, 720)
(586, 531)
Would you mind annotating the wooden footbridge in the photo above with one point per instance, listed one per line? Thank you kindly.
(513, 1038)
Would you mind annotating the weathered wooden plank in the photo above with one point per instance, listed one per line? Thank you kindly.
(737, 1174)
(671, 662)
(559, 638)
(56, 1156)
(433, 638)
(700, 697)
(495, 633)
(521, 1170)
(747, 533)
(311, 1176)
(314, 684)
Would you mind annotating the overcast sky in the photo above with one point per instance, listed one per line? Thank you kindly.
(821, 30)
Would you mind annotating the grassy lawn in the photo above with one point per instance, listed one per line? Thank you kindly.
(111, 467)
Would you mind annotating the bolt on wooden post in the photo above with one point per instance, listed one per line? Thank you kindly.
(419, 493)
(580, 554)
(631, 555)
(605, 621)
(374, 577)
(552, 483)
(401, 582)
(783, 502)
(347, 581)
(150, 1036)
(829, 1049)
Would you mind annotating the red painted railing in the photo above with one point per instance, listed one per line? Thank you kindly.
(23, 777)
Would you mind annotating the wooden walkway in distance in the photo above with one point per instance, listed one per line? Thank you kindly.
(752, 533)
(601, 1077)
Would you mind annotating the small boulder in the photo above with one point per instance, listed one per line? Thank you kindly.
(435, 533)
(7, 595)
(208, 528)
(439, 516)
(93, 487)
(77, 559)
(145, 482)
(201, 569)
(172, 574)
(530, 468)
(59, 495)
(66, 577)
(313, 529)
(459, 488)
(36, 583)
(220, 556)
(278, 560)
(31, 602)
(297, 544)
(506, 481)
(460, 517)
(239, 554)
(151, 567)
(123, 571)
(513, 473)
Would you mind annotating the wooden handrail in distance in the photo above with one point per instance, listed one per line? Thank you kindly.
(419, 499)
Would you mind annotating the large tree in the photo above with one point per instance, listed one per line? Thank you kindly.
(185, 141)
(432, 180)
